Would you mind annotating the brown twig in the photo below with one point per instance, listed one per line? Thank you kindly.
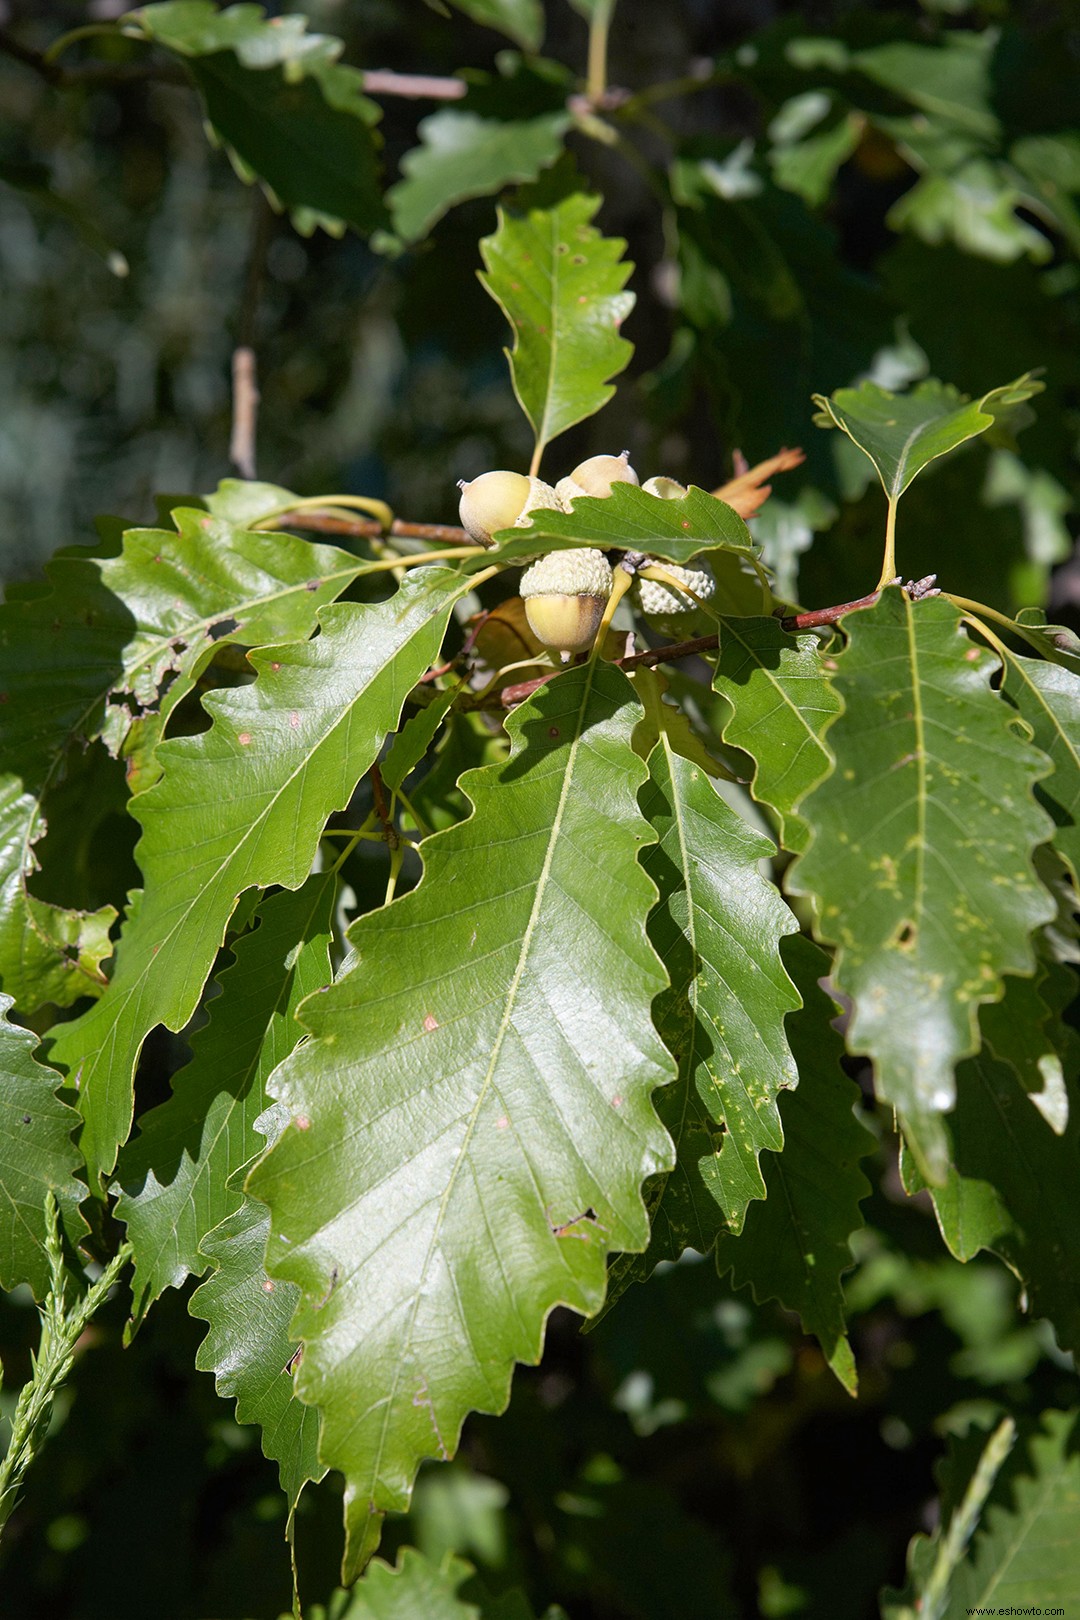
(245, 411)
(820, 617)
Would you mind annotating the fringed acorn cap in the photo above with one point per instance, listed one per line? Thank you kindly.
(660, 601)
(565, 594)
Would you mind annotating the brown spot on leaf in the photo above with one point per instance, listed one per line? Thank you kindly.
(430, 1023)
(302, 1122)
(244, 738)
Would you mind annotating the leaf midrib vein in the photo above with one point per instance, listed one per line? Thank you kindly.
(511, 998)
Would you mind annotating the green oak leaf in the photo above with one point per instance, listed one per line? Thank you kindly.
(109, 651)
(47, 952)
(1025, 1553)
(280, 99)
(418, 1589)
(465, 155)
(471, 1120)
(920, 866)
(174, 1178)
(560, 285)
(782, 700)
(1025, 1031)
(249, 1347)
(242, 805)
(717, 928)
(522, 20)
(1048, 697)
(633, 519)
(1010, 1187)
(966, 1476)
(37, 1156)
(795, 1246)
(903, 433)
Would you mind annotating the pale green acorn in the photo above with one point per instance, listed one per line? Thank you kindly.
(502, 500)
(565, 594)
(596, 476)
(659, 601)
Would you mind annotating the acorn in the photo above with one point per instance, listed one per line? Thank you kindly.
(565, 594)
(502, 500)
(596, 476)
(658, 601)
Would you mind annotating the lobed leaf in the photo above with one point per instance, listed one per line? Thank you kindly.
(109, 651)
(1048, 698)
(279, 97)
(463, 154)
(249, 1347)
(717, 928)
(471, 1121)
(782, 702)
(795, 1246)
(175, 1180)
(37, 1156)
(903, 433)
(1025, 1552)
(560, 285)
(635, 520)
(920, 867)
(244, 805)
(1009, 1188)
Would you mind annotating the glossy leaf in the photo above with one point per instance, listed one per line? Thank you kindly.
(249, 1348)
(279, 97)
(464, 155)
(1048, 698)
(110, 651)
(782, 700)
(560, 285)
(795, 1246)
(921, 862)
(175, 1179)
(717, 928)
(244, 804)
(37, 1156)
(903, 433)
(471, 1121)
(635, 520)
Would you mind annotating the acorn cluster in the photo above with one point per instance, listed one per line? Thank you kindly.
(565, 592)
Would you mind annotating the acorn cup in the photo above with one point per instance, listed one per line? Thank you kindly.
(502, 500)
(596, 477)
(565, 594)
(662, 604)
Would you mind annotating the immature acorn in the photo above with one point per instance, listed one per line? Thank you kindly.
(565, 594)
(660, 602)
(596, 476)
(502, 500)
